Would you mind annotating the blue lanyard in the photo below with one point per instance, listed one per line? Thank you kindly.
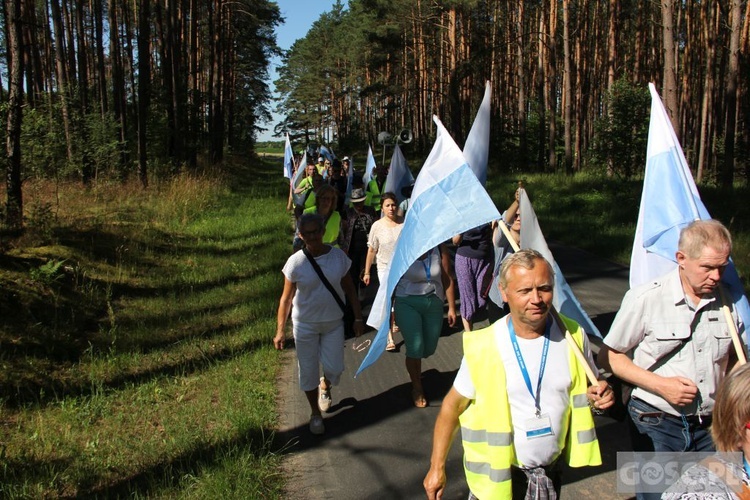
(522, 364)
(747, 465)
(427, 264)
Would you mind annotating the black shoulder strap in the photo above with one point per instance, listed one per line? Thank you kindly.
(322, 277)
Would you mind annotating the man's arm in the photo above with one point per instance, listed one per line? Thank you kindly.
(678, 391)
(446, 427)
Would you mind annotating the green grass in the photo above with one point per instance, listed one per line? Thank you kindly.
(143, 365)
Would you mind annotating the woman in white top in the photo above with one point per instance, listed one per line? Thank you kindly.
(381, 243)
(317, 318)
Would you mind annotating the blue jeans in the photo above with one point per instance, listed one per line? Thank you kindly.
(668, 433)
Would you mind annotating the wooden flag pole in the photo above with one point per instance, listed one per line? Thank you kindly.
(741, 359)
(556, 316)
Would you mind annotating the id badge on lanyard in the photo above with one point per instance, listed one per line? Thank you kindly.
(540, 424)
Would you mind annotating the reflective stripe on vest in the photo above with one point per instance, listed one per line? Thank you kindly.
(580, 400)
(482, 436)
(485, 469)
(586, 436)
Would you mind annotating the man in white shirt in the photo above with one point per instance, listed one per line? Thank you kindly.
(671, 341)
(520, 396)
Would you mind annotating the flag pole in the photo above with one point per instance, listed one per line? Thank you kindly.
(556, 316)
(732, 328)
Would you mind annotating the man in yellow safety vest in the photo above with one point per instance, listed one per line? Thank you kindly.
(521, 397)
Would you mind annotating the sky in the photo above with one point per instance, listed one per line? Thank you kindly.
(299, 16)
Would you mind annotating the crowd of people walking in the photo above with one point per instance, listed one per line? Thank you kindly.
(524, 397)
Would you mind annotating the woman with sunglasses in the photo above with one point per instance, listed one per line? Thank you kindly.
(317, 318)
(725, 475)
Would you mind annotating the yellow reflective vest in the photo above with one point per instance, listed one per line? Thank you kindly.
(486, 427)
(333, 226)
(374, 194)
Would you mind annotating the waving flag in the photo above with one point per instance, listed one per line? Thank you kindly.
(399, 175)
(476, 149)
(369, 166)
(669, 202)
(447, 199)
(288, 159)
(349, 182)
(564, 299)
(299, 199)
(327, 153)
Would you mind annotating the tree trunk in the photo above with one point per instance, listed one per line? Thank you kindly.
(14, 193)
(669, 92)
(551, 93)
(144, 86)
(708, 86)
(540, 83)
(118, 86)
(83, 95)
(568, 88)
(100, 68)
(63, 83)
(520, 75)
(730, 96)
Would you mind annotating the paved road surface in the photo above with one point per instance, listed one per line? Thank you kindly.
(377, 444)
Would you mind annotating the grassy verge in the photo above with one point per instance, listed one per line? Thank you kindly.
(135, 341)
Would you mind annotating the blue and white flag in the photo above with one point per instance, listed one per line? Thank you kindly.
(327, 153)
(563, 298)
(477, 147)
(369, 166)
(670, 201)
(447, 199)
(299, 199)
(288, 159)
(399, 175)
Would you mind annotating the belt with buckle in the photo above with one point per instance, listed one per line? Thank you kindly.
(695, 420)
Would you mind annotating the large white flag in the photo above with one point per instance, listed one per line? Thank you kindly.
(477, 147)
(564, 300)
(399, 175)
(669, 202)
(369, 166)
(448, 199)
(299, 199)
(288, 158)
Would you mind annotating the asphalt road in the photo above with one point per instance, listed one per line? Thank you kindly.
(377, 444)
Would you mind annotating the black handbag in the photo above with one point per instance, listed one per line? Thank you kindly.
(346, 308)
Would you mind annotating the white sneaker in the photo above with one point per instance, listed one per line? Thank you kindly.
(316, 425)
(324, 397)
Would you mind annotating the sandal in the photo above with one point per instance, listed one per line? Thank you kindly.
(390, 346)
(418, 397)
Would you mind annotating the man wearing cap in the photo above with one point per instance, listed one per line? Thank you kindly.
(346, 164)
(322, 166)
(355, 227)
(521, 396)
